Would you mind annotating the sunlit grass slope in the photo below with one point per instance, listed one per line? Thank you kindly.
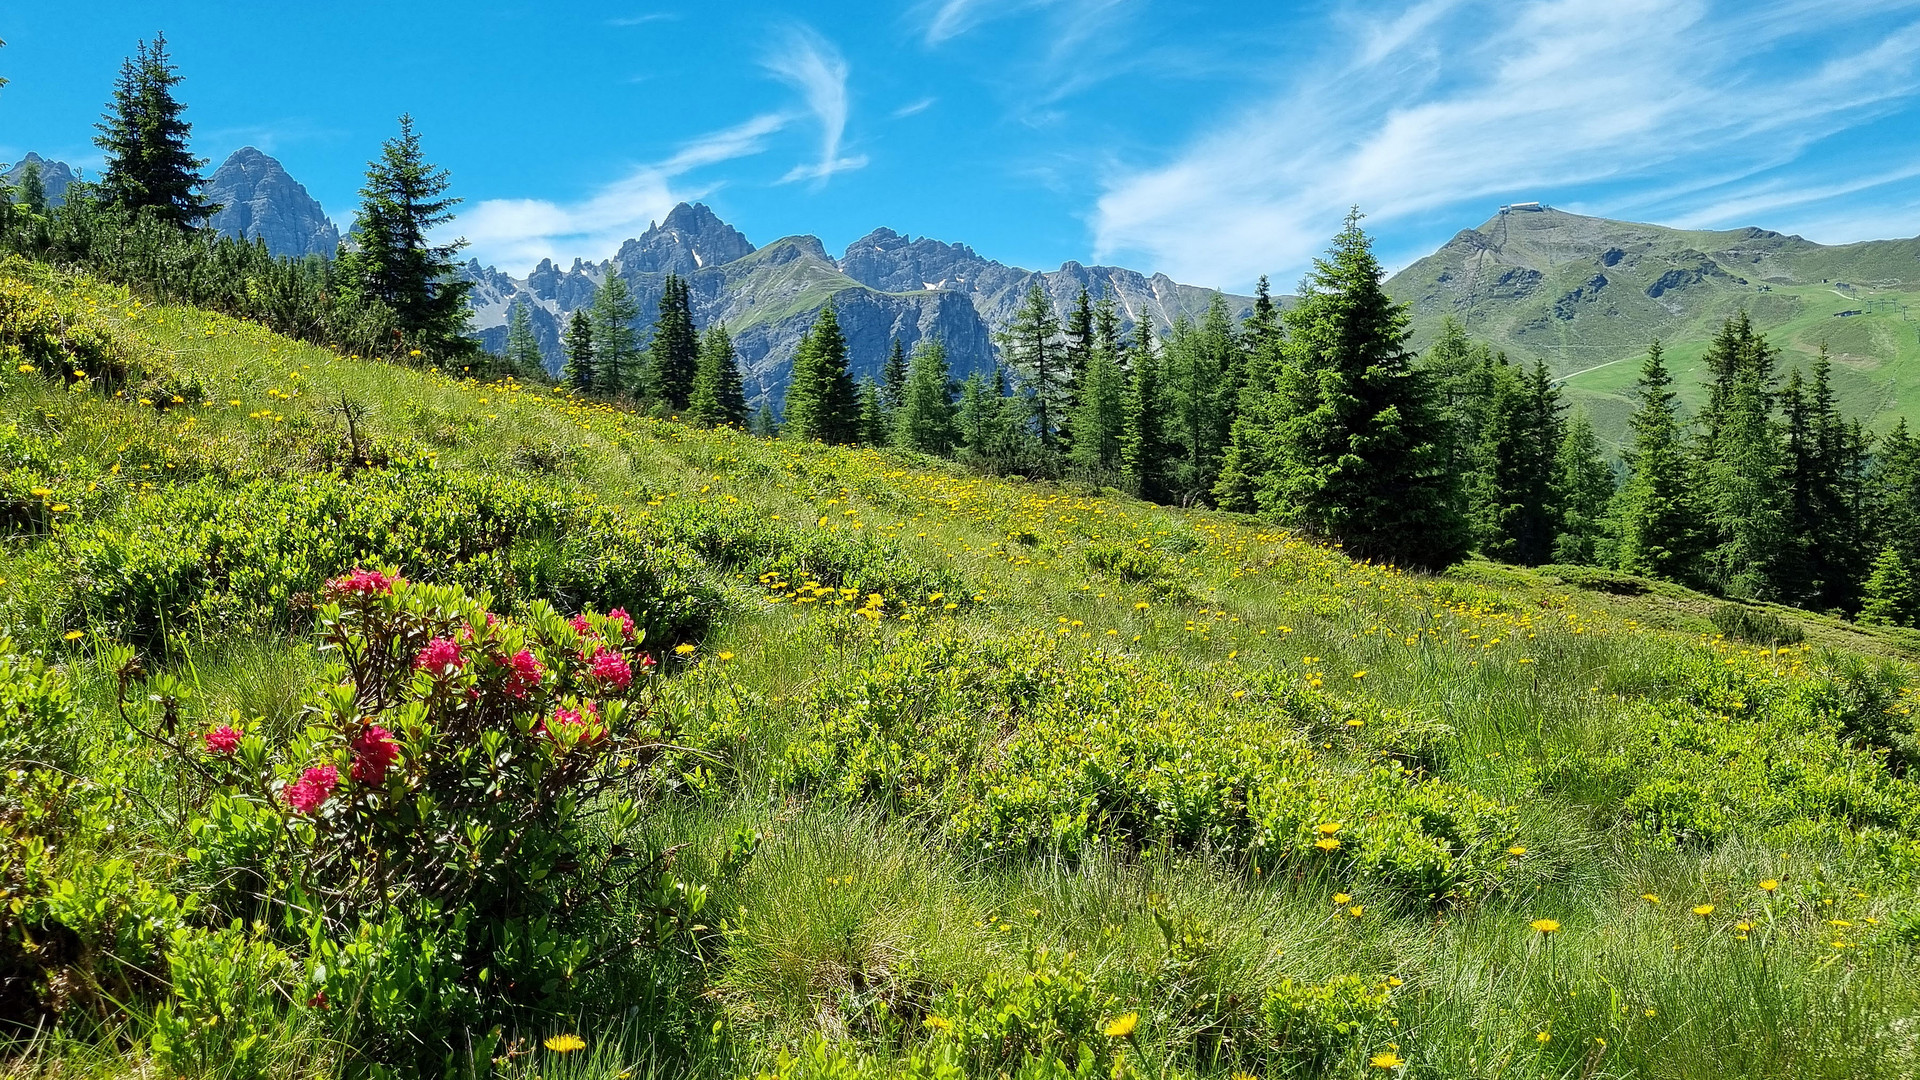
(1027, 760)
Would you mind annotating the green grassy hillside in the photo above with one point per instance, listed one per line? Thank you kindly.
(1586, 295)
(952, 777)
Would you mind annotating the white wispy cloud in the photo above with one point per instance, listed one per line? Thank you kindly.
(642, 20)
(515, 234)
(1446, 101)
(810, 64)
(914, 108)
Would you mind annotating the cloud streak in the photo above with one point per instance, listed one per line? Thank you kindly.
(515, 234)
(1453, 101)
(810, 64)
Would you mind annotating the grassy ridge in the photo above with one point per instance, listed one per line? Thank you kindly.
(1027, 759)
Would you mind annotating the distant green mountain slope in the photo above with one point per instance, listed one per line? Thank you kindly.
(1587, 294)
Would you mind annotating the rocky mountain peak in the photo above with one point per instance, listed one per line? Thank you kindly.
(54, 176)
(259, 201)
(691, 237)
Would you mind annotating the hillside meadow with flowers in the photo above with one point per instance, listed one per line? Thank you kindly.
(365, 720)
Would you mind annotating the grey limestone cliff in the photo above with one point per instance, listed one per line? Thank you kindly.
(259, 201)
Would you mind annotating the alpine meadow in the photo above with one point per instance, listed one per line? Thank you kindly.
(734, 662)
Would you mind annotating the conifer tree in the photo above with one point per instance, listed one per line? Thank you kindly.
(1359, 452)
(1891, 595)
(925, 419)
(978, 418)
(718, 399)
(522, 359)
(822, 402)
(1584, 488)
(1037, 355)
(1262, 331)
(893, 377)
(1462, 374)
(33, 190)
(873, 414)
(616, 349)
(1895, 493)
(1099, 419)
(1658, 521)
(1826, 542)
(403, 199)
(144, 138)
(1249, 450)
(577, 374)
(1512, 501)
(673, 356)
(764, 424)
(1741, 459)
(1079, 352)
(1201, 368)
(1143, 446)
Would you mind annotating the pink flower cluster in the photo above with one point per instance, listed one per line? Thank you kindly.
(584, 627)
(607, 667)
(223, 740)
(523, 674)
(362, 582)
(374, 752)
(306, 794)
(586, 719)
(441, 657)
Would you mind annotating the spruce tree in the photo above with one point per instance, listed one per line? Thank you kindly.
(1079, 352)
(616, 348)
(822, 402)
(1099, 419)
(893, 377)
(718, 399)
(1891, 595)
(1513, 505)
(1201, 368)
(1584, 488)
(1143, 446)
(1895, 493)
(1262, 329)
(403, 200)
(1359, 451)
(1741, 459)
(764, 424)
(522, 358)
(1249, 450)
(1658, 521)
(1462, 374)
(1037, 354)
(925, 420)
(673, 356)
(577, 374)
(144, 138)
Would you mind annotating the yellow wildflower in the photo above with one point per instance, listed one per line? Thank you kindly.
(1122, 1027)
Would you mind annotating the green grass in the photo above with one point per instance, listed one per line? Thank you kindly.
(1631, 749)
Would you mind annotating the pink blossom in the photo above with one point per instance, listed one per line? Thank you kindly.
(306, 794)
(440, 657)
(362, 583)
(523, 674)
(585, 720)
(582, 626)
(223, 740)
(609, 668)
(374, 752)
(646, 660)
(619, 615)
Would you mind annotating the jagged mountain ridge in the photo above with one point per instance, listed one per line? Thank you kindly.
(54, 176)
(885, 286)
(258, 200)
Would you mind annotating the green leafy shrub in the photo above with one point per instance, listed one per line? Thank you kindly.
(1051, 1009)
(740, 538)
(229, 993)
(1743, 623)
(205, 556)
(449, 826)
(1316, 1025)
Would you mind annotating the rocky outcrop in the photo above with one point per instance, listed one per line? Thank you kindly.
(259, 201)
(690, 238)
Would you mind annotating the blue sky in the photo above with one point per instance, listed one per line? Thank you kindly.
(1212, 141)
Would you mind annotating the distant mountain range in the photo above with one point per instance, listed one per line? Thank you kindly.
(1584, 294)
(885, 286)
(54, 176)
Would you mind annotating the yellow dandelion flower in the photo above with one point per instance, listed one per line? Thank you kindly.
(1545, 926)
(726, 656)
(1326, 843)
(1542, 1037)
(1769, 885)
(559, 1044)
(1341, 899)
(1328, 828)
(1516, 850)
(1703, 910)
(684, 649)
(74, 635)
(1388, 1060)
(1649, 898)
(1122, 1026)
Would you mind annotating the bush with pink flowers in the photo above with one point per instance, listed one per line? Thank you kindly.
(462, 785)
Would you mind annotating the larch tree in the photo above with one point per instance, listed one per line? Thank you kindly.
(393, 261)
(1036, 353)
(144, 138)
(616, 343)
(522, 359)
(925, 419)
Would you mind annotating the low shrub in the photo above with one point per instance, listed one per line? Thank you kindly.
(1758, 627)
